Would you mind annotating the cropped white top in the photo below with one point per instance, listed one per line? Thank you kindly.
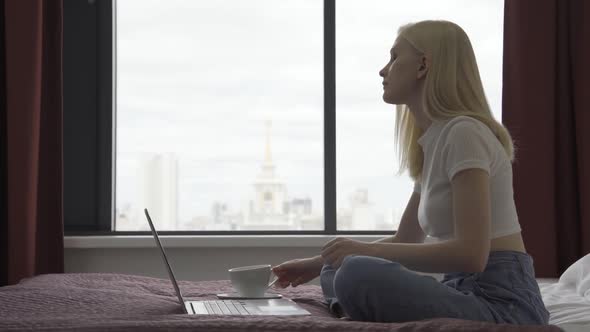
(449, 147)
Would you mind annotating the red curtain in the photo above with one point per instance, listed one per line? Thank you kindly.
(32, 98)
(546, 107)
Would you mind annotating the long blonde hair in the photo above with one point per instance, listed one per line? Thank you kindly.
(452, 88)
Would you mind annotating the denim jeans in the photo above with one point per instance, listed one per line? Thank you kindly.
(367, 288)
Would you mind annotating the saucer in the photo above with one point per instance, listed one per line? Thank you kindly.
(236, 296)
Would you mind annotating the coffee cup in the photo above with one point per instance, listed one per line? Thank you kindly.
(251, 281)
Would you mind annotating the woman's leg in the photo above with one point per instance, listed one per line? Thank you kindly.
(327, 283)
(374, 289)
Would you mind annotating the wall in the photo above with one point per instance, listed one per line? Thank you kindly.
(196, 260)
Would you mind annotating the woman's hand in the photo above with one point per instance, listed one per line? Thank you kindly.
(335, 250)
(297, 271)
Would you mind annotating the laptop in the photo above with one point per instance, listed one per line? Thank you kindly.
(272, 307)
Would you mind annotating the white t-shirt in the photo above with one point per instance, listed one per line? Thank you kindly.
(449, 147)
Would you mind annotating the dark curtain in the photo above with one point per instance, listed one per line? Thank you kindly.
(31, 100)
(546, 107)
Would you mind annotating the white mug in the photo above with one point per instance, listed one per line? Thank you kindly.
(251, 281)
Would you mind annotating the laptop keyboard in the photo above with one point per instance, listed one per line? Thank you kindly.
(226, 307)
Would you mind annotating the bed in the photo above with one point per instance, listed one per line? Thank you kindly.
(568, 297)
(119, 302)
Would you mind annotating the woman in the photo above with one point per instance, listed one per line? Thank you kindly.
(460, 160)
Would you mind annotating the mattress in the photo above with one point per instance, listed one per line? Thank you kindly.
(119, 302)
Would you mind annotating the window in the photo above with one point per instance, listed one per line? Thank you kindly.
(241, 116)
(369, 196)
(227, 109)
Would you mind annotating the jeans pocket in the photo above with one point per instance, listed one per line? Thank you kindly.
(493, 296)
(497, 276)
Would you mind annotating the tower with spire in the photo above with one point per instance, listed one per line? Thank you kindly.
(268, 206)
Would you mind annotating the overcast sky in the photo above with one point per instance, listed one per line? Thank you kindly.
(198, 78)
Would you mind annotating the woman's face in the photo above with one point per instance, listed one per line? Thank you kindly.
(402, 73)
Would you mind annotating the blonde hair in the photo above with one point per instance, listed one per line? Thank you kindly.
(452, 88)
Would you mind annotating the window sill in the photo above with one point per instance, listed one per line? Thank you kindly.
(209, 241)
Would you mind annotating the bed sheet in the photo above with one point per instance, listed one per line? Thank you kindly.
(118, 302)
(567, 298)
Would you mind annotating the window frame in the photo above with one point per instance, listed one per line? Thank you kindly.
(89, 146)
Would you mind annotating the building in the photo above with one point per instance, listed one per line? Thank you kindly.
(157, 191)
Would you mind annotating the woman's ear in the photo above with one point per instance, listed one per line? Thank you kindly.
(424, 66)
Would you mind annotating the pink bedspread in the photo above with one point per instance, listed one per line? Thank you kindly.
(117, 302)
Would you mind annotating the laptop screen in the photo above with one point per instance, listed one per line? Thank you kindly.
(170, 273)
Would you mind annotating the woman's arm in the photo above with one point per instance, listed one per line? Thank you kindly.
(439, 257)
(468, 251)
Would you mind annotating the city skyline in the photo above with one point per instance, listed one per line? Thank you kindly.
(157, 190)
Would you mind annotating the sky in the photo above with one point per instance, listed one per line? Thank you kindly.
(199, 79)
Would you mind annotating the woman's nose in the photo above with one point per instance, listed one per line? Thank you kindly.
(383, 71)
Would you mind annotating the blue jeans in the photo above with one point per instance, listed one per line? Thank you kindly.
(367, 288)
